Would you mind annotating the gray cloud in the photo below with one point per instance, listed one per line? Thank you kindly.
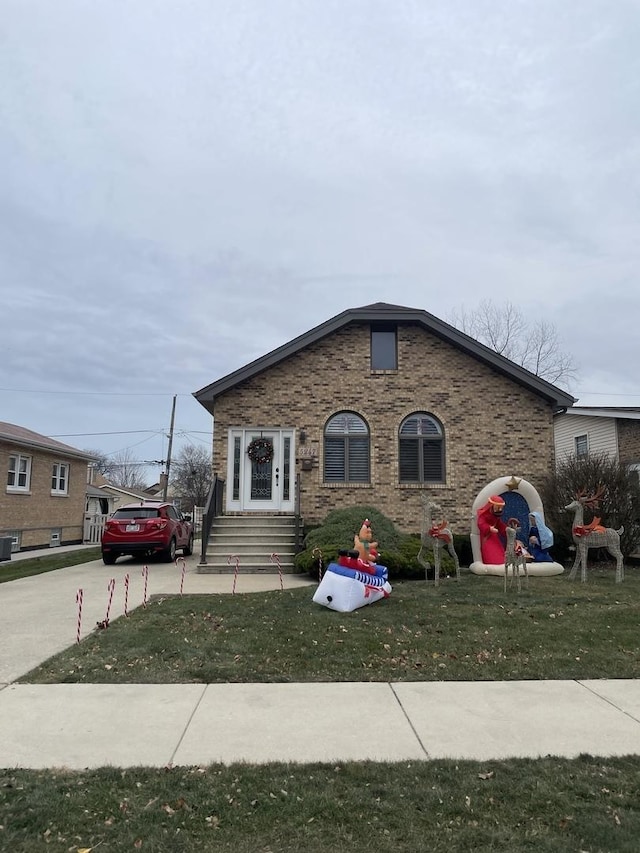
(187, 186)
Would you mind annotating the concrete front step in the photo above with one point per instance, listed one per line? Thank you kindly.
(251, 564)
(253, 539)
(256, 547)
(243, 521)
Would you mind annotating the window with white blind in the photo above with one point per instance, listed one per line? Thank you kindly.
(19, 475)
(346, 449)
(582, 445)
(60, 478)
(421, 449)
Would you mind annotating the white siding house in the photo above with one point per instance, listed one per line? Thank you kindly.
(612, 431)
(579, 432)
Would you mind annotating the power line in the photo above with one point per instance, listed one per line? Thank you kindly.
(96, 393)
(127, 432)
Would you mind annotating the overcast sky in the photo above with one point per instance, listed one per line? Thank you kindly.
(187, 185)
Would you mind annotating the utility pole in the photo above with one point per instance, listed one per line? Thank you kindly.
(166, 476)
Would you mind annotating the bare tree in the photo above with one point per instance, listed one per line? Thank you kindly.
(191, 476)
(123, 470)
(533, 344)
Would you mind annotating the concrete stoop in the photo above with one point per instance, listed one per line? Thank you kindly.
(252, 539)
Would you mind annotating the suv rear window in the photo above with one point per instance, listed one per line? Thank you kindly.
(137, 512)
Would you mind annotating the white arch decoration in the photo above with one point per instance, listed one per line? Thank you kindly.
(531, 496)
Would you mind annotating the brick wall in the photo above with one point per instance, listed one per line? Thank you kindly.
(628, 441)
(36, 513)
(493, 427)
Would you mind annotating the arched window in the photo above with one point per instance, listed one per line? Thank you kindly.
(346, 449)
(421, 446)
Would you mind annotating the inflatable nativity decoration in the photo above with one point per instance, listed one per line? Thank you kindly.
(505, 505)
(356, 579)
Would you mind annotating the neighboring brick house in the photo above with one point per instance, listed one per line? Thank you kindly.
(373, 407)
(614, 431)
(43, 501)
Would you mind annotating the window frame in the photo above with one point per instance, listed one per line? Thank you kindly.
(578, 438)
(348, 441)
(420, 439)
(58, 477)
(383, 329)
(15, 486)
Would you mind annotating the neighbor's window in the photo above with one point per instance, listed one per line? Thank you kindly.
(582, 445)
(421, 449)
(384, 348)
(346, 449)
(19, 477)
(59, 478)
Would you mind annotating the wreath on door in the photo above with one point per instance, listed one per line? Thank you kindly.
(260, 450)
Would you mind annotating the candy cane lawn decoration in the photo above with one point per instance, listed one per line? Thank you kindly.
(184, 567)
(275, 558)
(317, 552)
(79, 596)
(145, 575)
(235, 574)
(111, 587)
(126, 595)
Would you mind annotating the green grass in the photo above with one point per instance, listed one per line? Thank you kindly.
(471, 630)
(11, 571)
(466, 630)
(551, 804)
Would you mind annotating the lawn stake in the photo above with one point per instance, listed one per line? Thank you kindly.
(317, 552)
(184, 567)
(275, 558)
(79, 595)
(235, 574)
(126, 595)
(145, 575)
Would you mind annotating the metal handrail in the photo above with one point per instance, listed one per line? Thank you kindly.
(212, 509)
(298, 519)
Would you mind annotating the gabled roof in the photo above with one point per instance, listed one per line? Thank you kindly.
(95, 492)
(24, 437)
(629, 412)
(381, 312)
(136, 494)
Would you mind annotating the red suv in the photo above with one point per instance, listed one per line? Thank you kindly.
(147, 528)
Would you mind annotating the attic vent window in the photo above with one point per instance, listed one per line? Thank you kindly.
(384, 348)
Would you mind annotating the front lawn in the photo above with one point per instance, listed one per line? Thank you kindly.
(552, 804)
(471, 630)
(11, 571)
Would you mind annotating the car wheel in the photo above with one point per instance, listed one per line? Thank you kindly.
(187, 551)
(170, 553)
(109, 558)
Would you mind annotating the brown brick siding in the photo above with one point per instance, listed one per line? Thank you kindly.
(493, 427)
(38, 512)
(628, 441)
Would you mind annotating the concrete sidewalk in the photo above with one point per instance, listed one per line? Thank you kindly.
(85, 725)
(45, 552)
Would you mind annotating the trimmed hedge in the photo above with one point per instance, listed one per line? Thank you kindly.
(398, 551)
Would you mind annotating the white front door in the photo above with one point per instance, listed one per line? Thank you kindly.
(259, 486)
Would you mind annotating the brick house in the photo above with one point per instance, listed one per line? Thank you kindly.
(43, 501)
(372, 407)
